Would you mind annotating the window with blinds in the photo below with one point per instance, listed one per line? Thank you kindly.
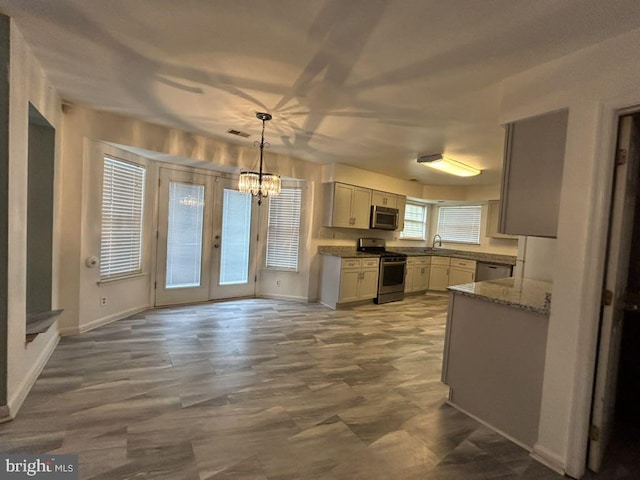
(415, 221)
(460, 224)
(283, 232)
(122, 213)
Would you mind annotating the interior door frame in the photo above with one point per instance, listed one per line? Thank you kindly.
(610, 326)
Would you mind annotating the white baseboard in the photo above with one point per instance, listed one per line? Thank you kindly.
(66, 331)
(17, 399)
(5, 416)
(548, 458)
(290, 298)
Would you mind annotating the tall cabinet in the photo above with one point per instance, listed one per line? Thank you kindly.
(532, 175)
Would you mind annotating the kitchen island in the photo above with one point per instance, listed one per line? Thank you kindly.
(494, 353)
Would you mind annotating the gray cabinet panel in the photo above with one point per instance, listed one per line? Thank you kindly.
(532, 176)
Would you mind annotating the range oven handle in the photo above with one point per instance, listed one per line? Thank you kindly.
(392, 262)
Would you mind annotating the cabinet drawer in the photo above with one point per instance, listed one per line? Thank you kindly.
(440, 261)
(468, 264)
(351, 263)
(422, 261)
(370, 263)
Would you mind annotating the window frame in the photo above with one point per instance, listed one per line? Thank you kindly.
(477, 225)
(296, 229)
(425, 220)
(138, 177)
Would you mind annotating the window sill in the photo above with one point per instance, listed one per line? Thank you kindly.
(278, 269)
(123, 277)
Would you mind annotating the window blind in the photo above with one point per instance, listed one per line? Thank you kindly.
(283, 232)
(122, 213)
(460, 223)
(415, 221)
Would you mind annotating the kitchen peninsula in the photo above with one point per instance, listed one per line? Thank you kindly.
(494, 353)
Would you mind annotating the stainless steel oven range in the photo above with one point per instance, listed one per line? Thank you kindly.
(393, 265)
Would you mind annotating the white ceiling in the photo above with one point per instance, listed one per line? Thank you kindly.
(370, 83)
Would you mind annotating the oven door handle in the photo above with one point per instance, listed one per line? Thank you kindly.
(393, 262)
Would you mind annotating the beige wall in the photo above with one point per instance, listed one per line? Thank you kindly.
(28, 83)
(592, 83)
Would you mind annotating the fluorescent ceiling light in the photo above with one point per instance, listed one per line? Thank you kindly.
(447, 165)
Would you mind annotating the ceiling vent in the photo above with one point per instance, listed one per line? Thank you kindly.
(238, 133)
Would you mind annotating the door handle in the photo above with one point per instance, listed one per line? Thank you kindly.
(217, 244)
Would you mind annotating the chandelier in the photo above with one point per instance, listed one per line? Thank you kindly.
(260, 184)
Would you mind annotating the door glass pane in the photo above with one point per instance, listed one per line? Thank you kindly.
(184, 236)
(236, 229)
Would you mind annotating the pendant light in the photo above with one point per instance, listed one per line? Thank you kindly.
(260, 184)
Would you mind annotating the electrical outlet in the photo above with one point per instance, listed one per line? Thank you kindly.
(277, 283)
(103, 301)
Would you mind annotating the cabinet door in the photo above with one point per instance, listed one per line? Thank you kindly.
(349, 283)
(458, 276)
(342, 199)
(532, 175)
(368, 284)
(408, 279)
(361, 207)
(384, 199)
(439, 277)
(421, 278)
(402, 203)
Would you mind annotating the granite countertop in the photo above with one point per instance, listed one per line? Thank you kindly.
(351, 252)
(523, 293)
(464, 254)
(344, 252)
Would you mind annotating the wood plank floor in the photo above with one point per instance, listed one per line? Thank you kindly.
(262, 389)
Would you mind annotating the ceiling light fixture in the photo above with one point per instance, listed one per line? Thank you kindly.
(448, 165)
(260, 184)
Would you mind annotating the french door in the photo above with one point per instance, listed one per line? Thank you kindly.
(205, 227)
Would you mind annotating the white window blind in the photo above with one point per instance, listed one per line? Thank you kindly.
(415, 221)
(283, 232)
(460, 223)
(122, 212)
(236, 238)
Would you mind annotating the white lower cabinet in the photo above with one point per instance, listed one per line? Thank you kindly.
(347, 280)
(417, 276)
(439, 274)
(462, 271)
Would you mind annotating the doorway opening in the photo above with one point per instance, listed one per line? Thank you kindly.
(614, 447)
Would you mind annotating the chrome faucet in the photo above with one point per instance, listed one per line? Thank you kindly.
(433, 244)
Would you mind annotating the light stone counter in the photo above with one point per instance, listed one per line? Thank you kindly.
(350, 252)
(523, 293)
(344, 252)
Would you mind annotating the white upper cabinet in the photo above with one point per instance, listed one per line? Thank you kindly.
(532, 175)
(346, 206)
(384, 199)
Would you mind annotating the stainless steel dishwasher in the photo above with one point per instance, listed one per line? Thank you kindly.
(491, 271)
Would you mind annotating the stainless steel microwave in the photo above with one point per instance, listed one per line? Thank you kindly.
(384, 218)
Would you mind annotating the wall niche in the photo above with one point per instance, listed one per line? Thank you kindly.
(41, 169)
